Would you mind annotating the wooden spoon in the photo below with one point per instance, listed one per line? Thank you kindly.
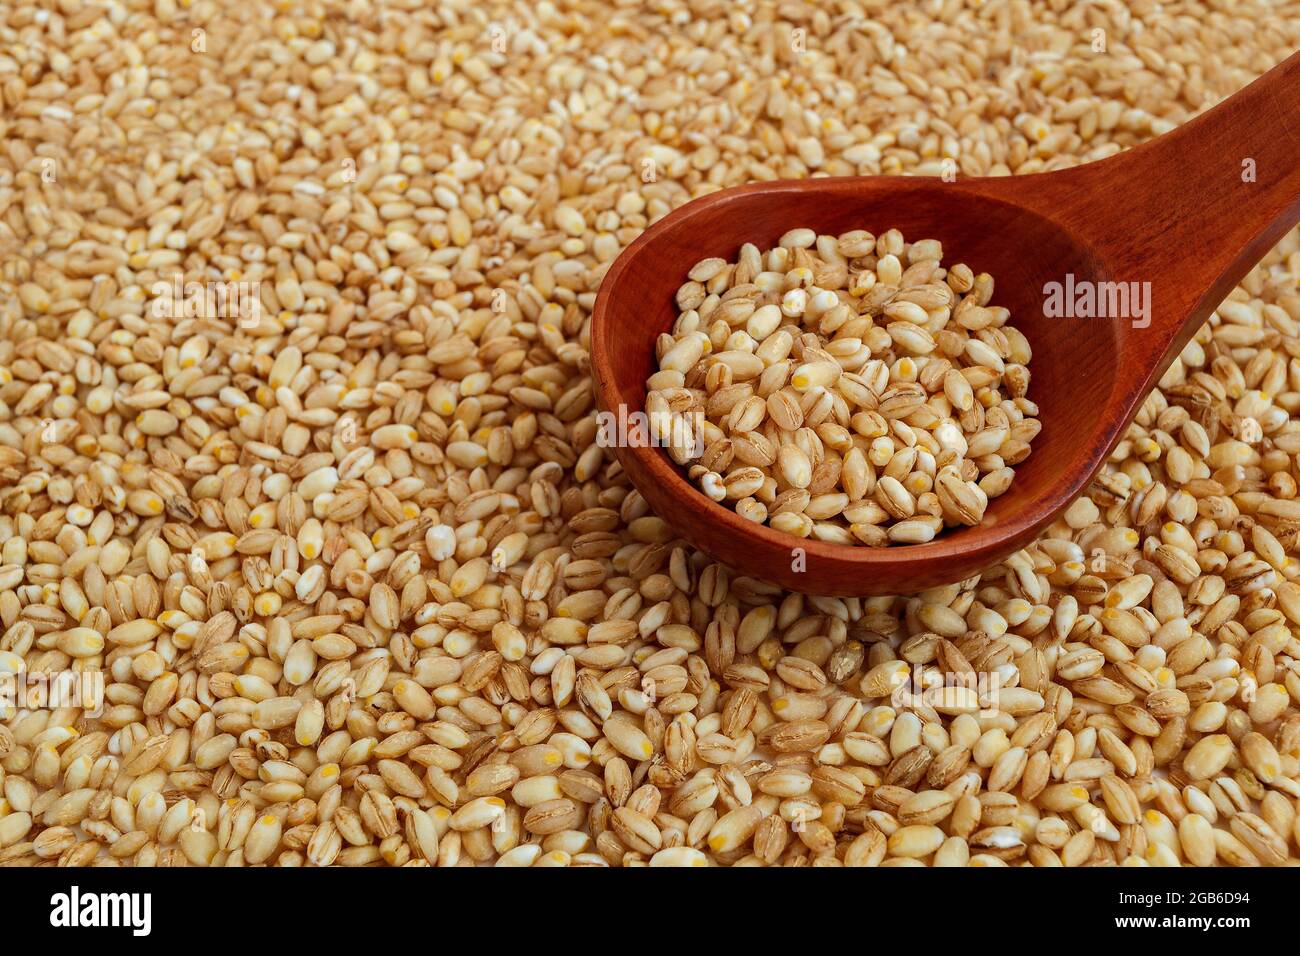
(1190, 213)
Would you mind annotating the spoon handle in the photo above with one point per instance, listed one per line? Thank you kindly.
(1191, 212)
(1205, 202)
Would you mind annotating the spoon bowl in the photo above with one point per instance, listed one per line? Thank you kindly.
(1174, 213)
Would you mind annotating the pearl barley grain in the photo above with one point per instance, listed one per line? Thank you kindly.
(861, 390)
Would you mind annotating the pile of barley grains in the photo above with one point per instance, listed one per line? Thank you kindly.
(361, 584)
(847, 388)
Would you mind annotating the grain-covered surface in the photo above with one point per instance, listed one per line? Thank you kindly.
(362, 584)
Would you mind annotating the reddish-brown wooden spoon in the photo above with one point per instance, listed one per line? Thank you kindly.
(1190, 212)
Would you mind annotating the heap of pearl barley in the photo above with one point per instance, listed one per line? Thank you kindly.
(364, 588)
(848, 388)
